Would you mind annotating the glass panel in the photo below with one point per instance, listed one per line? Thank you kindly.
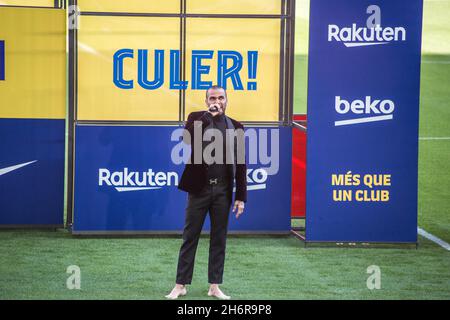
(110, 52)
(253, 86)
(33, 61)
(133, 6)
(234, 6)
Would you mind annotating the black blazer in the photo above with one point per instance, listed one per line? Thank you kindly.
(194, 175)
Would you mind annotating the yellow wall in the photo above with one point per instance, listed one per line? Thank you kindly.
(35, 63)
(98, 39)
(134, 6)
(34, 3)
(234, 6)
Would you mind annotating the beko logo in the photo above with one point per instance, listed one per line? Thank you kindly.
(256, 179)
(372, 34)
(373, 109)
(126, 180)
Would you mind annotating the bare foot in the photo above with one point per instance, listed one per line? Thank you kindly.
(177, 291)
(216, 292)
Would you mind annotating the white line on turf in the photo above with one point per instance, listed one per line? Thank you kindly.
(435, 239)
(436, 61)
(434, 138)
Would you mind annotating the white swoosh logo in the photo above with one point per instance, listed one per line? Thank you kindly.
(12, 168)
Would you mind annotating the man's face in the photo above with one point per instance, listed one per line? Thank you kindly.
(217, 96)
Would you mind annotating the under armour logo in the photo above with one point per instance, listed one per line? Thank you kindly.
(213, 181)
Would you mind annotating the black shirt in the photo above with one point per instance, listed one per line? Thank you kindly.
(218, 170)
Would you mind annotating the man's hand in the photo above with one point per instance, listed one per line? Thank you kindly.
(239, 205)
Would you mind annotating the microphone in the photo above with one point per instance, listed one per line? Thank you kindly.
(213, 108)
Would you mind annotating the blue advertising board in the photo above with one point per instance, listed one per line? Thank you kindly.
(363, 110)
(31, 172)
(126, 181)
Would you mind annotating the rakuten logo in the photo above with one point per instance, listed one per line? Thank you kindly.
(134, 181)
(375, 110)
(372, 34)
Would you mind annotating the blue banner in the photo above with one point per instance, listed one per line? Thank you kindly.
(31, 172)
(363, 109)
(126, 180)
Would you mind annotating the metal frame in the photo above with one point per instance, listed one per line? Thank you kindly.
(290, 55)
(281, 94)
(287, 20)
(286, 52)
(71, 121)
(298, 125)
(182, 92)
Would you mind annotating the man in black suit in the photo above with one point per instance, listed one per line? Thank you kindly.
(208, 179)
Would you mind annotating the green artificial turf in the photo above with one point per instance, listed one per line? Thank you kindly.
(434, 155)
(33, 266)
(434, 187)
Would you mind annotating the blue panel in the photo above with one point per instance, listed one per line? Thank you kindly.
(363, 108)
(105, 151)
(31, 172)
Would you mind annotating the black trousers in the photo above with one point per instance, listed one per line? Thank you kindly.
(217, 200)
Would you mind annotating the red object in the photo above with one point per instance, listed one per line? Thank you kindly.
(298, 204)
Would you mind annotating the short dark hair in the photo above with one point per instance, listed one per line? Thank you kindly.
(215, 87)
